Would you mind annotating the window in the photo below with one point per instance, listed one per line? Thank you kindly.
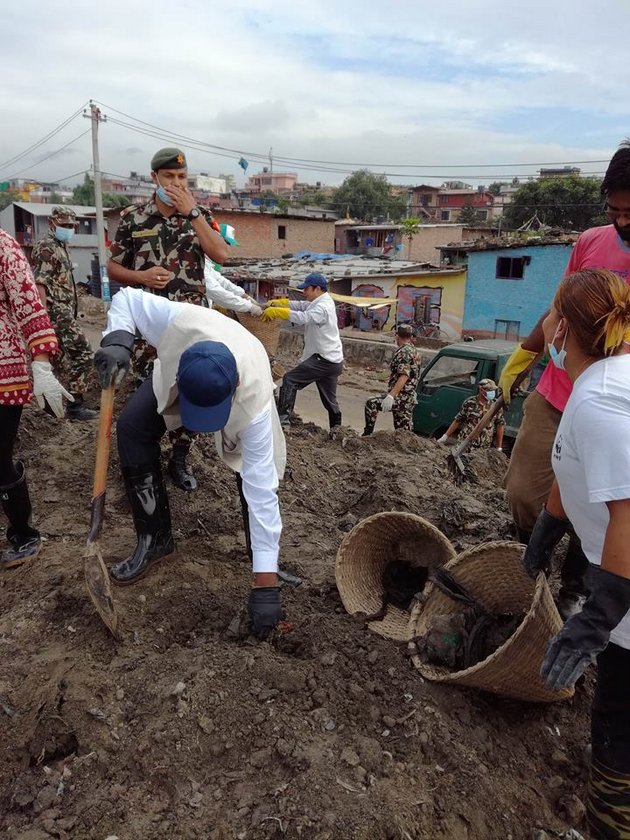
(482, 215)
(282, 231)
(425, 200)
(445, 215)
(509, 330)
(511, 268)
(444, 199)
(450, 370)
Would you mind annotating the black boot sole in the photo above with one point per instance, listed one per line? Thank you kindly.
(141, 574)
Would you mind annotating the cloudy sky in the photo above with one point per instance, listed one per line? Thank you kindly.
(446, 88)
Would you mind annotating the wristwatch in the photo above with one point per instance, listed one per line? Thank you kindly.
(194, 214)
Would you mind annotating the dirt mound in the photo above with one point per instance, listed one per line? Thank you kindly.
(183, 730)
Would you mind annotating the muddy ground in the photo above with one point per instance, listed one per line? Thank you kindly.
(181, 730)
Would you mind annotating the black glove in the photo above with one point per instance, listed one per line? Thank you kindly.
(265, 609)
(587, 633)
(547, 533)
(112, 360)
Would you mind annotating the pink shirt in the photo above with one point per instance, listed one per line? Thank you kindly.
(599, 247)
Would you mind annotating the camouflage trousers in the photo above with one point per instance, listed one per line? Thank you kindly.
(142, 365)
(402, 412)
(74, 363)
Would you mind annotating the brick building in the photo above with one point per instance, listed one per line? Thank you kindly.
(265, 235)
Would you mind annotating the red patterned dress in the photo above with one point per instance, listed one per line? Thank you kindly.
(25, 328)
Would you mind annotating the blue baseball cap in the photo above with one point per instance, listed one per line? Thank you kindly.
(314, 279)
(207, 377)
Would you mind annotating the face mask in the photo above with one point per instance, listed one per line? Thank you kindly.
(162, 194)
(558, 356)
(490, 395)
(63, 234)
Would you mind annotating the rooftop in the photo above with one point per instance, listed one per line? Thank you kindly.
(36, 209)
(500, 243)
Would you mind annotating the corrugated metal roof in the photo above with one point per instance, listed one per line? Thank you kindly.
(36, 209)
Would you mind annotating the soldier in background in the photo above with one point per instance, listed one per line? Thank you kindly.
(470, 414)
(52, 267)
(401, 397)
(162, 245)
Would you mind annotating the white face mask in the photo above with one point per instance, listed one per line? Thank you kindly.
(490, 395)
(557, 356)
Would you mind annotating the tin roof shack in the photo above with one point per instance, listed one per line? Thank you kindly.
(510, 283)
(28, 222)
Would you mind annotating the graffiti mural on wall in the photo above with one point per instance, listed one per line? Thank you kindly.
(420, 304)
(372, 319)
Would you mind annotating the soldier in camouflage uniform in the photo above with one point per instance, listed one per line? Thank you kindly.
(162, 245)
(400, 398)
(52, 267)
(470, 414)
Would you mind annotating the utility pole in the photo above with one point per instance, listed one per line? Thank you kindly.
(96, 117)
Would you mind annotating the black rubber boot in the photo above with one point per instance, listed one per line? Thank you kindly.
(179, 470)
(151, 519)
(523, 535)
(334, 419)
(25, 540)
(77, 410)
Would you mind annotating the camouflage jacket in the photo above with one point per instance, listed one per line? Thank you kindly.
(406, 361)
(145, 238)
(470, 414)
(52, 268)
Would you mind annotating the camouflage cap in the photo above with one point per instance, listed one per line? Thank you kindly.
(488, 384)
(169, 158)
(63, 215)
(404, 331)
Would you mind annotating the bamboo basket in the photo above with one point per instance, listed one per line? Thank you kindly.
(267, 332)
(364, 553)
(493, 573)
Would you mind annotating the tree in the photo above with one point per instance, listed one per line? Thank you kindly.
(55, 198)
(410, 227)
(468, 215)
(84, 195)
(570, 202)
(495, 187)
(314, 198)
(8, 197)
(365, 195)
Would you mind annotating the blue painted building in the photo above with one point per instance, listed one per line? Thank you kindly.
(508, 287)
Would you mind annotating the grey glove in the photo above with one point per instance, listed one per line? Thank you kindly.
(265, 609)
(547, 533)
(113, 359)
(587, 633)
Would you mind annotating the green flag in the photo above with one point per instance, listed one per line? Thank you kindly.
(4, 186)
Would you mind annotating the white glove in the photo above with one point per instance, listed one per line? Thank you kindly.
(387, 403)
(47, 387)
(255, 310)
(443, 440)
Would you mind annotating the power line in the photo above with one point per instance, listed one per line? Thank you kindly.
(52, 154)
(325, 163)
(43, 140)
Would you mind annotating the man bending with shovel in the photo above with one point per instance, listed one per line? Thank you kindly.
(211, 375)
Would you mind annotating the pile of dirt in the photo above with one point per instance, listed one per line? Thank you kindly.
(181, 730)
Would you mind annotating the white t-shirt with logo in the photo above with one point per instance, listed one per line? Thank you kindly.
(591, 457)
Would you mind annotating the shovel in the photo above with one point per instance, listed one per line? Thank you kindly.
(96, 574)
(454, 460)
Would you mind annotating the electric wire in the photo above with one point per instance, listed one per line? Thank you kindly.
(43, 140)
(52, 154)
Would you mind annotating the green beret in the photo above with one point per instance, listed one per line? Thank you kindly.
(169, 158)
(63, 214)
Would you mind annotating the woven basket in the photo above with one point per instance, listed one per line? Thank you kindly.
(267, 332)
(366, 550)
(493, 573)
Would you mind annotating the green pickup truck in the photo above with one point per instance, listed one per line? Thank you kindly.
(454, 374)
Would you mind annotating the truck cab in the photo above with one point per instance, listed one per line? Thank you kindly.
(453, 375)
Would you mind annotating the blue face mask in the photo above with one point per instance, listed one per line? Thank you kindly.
(162, 194)
(63, 234)
(558, 356)
(490, 395)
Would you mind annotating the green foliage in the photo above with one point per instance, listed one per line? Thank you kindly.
(409, 227)
(468, 215)
(365, 195)
(8, 197)
(55, 198)
(572, 203)
(314, 198)
(495, 187)
(84, 195)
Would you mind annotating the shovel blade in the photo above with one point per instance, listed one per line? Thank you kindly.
(99, 588)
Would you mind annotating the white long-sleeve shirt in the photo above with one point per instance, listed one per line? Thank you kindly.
(321, 331)
(151, 315)
(223, 292)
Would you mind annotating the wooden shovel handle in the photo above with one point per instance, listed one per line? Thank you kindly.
(103, 440)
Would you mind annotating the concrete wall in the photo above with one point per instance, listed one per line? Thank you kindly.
(489, 300)
(259, 234)
(428, 238)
